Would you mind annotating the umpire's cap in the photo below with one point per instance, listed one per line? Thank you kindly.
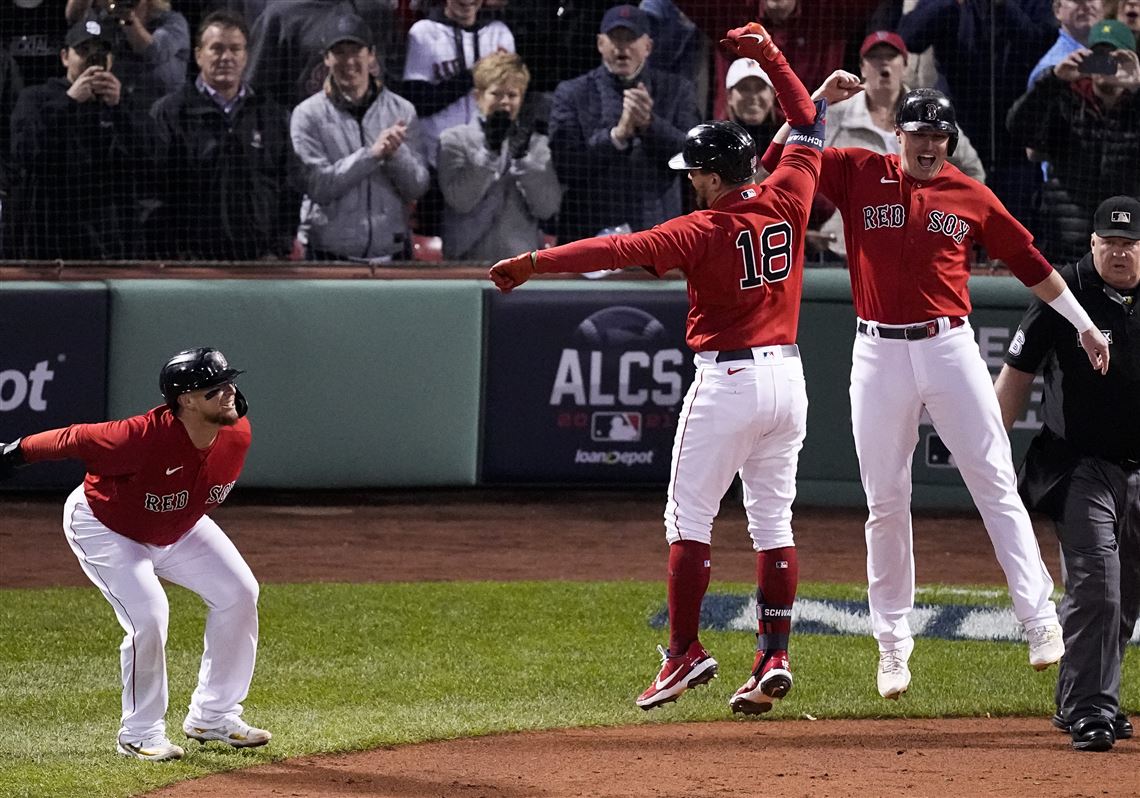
(928, 109)
(193, 370)
(721, 147)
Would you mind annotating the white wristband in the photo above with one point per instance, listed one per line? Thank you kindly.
(1066, 304)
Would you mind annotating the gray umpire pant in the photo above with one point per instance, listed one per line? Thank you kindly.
(1099, 529)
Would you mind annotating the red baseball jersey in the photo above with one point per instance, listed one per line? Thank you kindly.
(743, 257)
(145, 478)
(910, 243)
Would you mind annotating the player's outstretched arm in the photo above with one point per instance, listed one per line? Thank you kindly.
(1056, 294)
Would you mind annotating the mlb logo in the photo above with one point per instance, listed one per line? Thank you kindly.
(1123, 217)
(616, 427)
(748, 193)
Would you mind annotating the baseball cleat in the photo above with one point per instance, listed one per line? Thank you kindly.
(767, 685)
(893, 677)
(153, 749)
(235, 732)
(1046, 645)
(678, 673)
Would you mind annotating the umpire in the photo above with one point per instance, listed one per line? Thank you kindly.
(1083, 468)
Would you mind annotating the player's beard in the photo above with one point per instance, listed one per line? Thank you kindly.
(226, 417)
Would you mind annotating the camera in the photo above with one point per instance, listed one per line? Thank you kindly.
(121, 9)
(1098, 62)
(99, 57)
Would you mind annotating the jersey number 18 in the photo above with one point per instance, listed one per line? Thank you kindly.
(775, 255)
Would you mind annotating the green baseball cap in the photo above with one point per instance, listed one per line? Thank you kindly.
(1112, 32)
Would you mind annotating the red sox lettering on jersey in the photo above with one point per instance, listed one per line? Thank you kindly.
(145, 478)
(877, 198)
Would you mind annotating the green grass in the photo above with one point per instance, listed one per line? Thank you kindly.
(346, 667)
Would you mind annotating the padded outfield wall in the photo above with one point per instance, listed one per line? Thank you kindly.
(403, 383)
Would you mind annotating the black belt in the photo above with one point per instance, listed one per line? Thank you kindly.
(915, 332)
(787, 350)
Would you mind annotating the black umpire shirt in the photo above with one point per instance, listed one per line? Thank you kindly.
(1097, 415)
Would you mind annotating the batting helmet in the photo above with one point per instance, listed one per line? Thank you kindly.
(193, 370)
(721, 147)
(928, 109)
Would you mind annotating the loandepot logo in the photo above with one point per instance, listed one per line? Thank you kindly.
(725, 613)
(611, 458)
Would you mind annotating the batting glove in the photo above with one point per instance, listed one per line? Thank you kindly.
(511, 273)
(751, 41)
(11, 458)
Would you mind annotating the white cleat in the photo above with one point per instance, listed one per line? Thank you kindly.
(894, 675)
(1046, 645)
(235, 732)
(154, 749)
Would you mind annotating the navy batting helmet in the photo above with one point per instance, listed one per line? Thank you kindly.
(193, 370)
(928, 109)
(721, 147)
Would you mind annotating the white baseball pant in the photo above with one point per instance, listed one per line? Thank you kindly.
(127, 572)
(891, 381)
(750, 421)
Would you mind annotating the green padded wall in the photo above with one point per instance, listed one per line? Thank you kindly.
(350, 383)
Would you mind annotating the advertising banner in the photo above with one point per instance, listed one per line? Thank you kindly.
(583, 386)
(53, 369)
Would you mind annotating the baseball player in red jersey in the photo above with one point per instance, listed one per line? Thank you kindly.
(911, 222)
(746, 410)
(140, 514)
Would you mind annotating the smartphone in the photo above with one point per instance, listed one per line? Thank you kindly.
(1098, 62)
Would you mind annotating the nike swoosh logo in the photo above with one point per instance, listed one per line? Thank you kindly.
(734, 371)
(885, 180)
(170, 471)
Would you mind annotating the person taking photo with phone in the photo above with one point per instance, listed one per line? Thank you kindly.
(1083, 117)
(75, 149)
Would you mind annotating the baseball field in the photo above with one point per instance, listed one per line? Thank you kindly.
(474, 643)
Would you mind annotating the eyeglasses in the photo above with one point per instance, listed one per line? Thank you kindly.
(210, 394)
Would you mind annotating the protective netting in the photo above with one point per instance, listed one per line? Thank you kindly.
(232, 142)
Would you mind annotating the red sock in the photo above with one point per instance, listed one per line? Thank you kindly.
(689, 569)
(777, 576)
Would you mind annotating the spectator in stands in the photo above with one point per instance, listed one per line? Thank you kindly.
(560, 36)
(867, 120)
(969, 59)
(613, 131)
(150, 42)
(1088, 128)
(1076, 18)
(11, 84)
(814, 35)
(496, 175)
(357, 141)
(1126, 11)
(33, 35)
(287, 54)
(75, 145)
(676, 40)
(752, 103)
(225, 154)
(442, 50)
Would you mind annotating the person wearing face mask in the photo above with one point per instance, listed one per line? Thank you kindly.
(1086, 124)
(868, 119)
(357, 142)
(1082, 469)
(911, 222)
(496, 173)
(613, 130)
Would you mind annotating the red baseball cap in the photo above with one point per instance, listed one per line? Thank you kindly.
(889, 38)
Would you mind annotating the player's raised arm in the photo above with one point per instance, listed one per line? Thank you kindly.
(840, 85)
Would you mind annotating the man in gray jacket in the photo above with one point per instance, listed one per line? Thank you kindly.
(356, 141)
